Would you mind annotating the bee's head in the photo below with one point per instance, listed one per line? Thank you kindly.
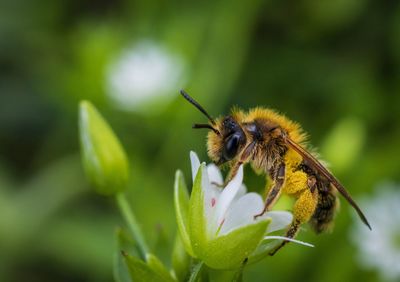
(226, 138)
(226, 145)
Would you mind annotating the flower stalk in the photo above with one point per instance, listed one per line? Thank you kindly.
(132, 223)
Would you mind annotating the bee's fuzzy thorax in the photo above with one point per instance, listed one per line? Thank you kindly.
(294, 130)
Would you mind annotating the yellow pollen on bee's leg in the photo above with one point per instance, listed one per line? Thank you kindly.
(295, 182)
(292, 158)
(305, 206)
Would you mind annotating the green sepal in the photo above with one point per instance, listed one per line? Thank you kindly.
(198, 272)
(157, 266)
(123, 242)
(230, 250)
(197, 220)
(140, 271)
(181, 202)
(103, 156)
(180, 260)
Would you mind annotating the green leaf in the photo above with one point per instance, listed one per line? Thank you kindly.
(181, 201)
(230, 250)
(103, 156)
(123, 242)
(180, 260)
(140, 271)
(197, 220)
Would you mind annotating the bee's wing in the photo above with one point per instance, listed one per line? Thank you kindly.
(315, 164)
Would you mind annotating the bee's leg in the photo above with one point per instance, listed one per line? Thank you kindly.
(232, 172)
(303, 210)
(275, 191)
(291, 233)
(242, 159)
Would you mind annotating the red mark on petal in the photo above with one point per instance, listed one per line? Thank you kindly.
(213, 202)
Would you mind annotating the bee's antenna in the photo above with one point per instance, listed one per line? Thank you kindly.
(197, 125)
(197, 105)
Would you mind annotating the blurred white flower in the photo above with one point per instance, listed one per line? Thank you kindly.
(380, 248)
(144, 74)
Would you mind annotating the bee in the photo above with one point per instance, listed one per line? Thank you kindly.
(276, 146)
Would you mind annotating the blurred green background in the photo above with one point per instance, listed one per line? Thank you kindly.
(333, 66)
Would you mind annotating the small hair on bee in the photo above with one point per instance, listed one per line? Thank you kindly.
(201, 109)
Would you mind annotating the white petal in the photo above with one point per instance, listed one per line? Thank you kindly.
(195, 162)
(288, 239)
(227, 195)
(214, 174)
(241, 212)
(242, 191)
(280, 220)
(211, 198)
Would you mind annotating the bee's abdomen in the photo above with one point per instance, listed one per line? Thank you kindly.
(322, 219)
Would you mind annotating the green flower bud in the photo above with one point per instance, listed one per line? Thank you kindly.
(104, 159)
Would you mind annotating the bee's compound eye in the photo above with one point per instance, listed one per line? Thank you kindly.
(231, 147)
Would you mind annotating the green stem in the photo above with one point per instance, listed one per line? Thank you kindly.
(133, 225)
(227, 275)
(196, 272)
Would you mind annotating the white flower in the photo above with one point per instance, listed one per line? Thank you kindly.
(380, 248)
(217, 225)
